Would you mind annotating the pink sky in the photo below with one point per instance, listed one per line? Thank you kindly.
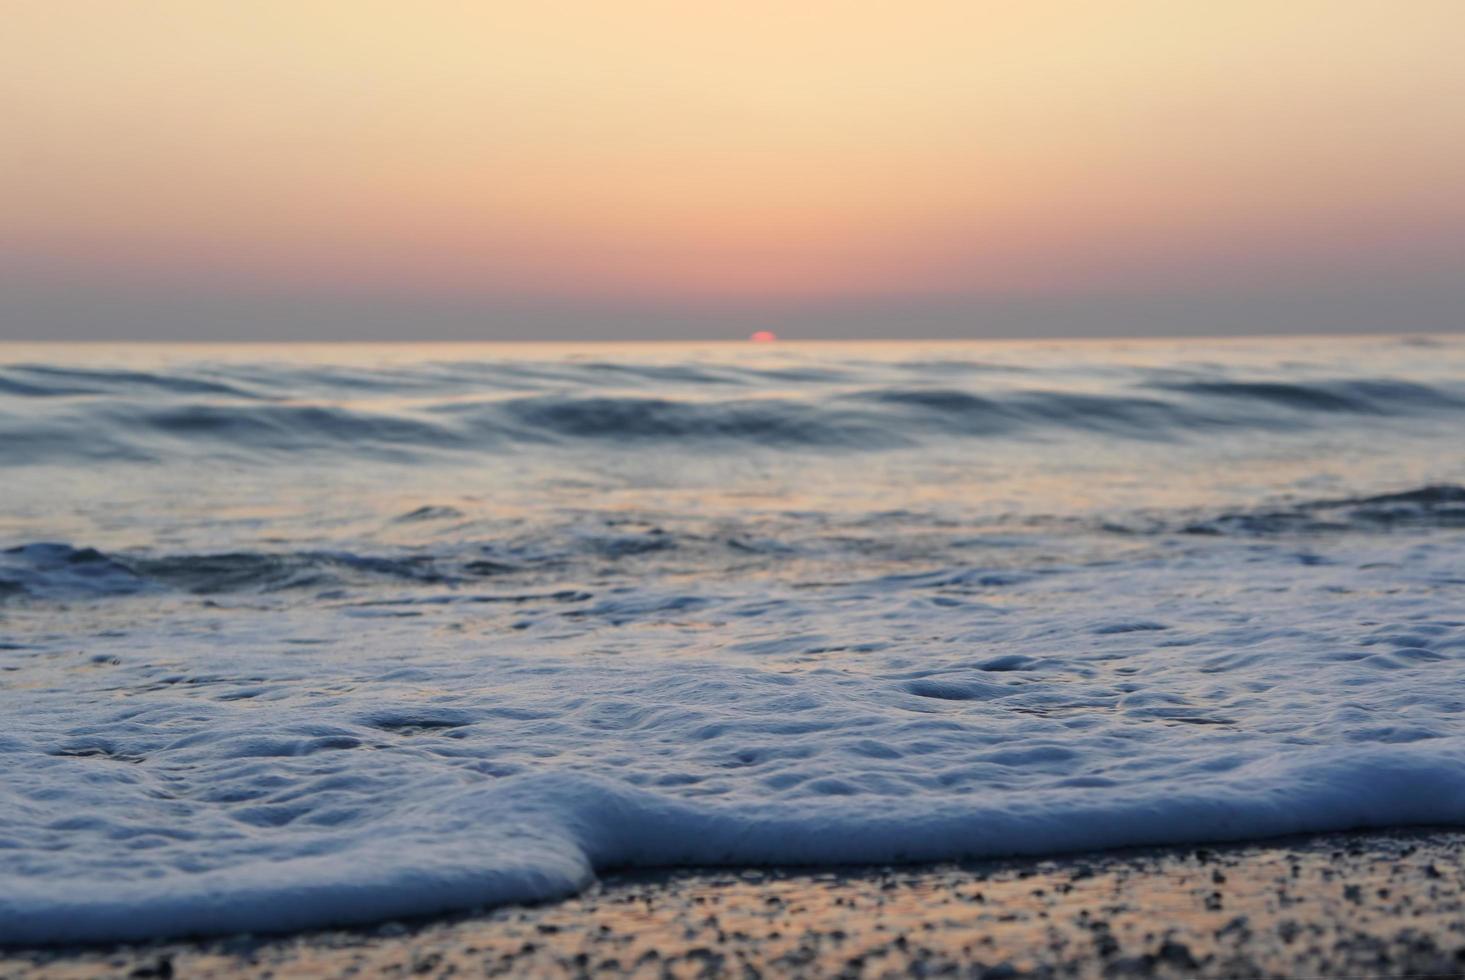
(706, 158)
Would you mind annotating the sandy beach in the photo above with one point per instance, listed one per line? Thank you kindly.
(1355, 905)
(746, 490)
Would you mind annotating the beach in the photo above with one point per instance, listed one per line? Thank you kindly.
(753, 490)
(1359, 905)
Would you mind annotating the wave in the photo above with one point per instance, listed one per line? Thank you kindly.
(253, 413)
(286, 380)
(56, 570)
(1374, 396)
(774, 422)
(1434, 506)
(53, 570)
(51, 381)
(534, 838)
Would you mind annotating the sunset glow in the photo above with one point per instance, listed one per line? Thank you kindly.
(730, 154)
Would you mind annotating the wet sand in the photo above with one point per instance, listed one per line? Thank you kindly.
(1357, 905)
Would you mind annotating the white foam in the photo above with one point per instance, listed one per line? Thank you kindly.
(172, 768)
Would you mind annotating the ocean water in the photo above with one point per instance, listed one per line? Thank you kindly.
(296, 636)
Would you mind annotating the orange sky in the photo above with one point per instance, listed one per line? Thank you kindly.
(756, 151)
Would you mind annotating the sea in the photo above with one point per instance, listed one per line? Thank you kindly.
(296, 636)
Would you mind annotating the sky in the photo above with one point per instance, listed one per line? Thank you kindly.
(581, 169)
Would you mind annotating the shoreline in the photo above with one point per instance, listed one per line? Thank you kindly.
(1370, 903)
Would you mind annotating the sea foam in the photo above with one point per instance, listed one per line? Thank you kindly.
(245, 777)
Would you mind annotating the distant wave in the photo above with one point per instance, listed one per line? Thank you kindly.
(47, 381)
(56, 415)
(1359, 395)
(55, 570)
(772, 421)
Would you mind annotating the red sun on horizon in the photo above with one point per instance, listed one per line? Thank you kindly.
(763, 337)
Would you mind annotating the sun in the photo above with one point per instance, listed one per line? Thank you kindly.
(763, 337)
